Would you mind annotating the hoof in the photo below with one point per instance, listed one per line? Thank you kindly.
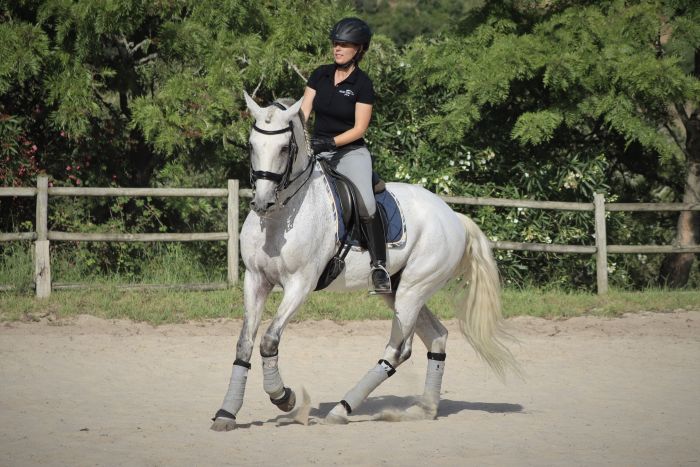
(223, 424)
(287, 402)
(421, 412)
(337, 416)
(335, 419)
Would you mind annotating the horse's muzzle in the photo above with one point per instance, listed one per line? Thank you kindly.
(261, 207)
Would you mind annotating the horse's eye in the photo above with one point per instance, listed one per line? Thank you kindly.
(285, 149)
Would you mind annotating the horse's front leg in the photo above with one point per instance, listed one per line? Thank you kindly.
(283, 397)
(256, 289)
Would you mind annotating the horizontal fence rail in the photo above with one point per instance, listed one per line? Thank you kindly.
(519, 203)
(651, 207)
(143, 237)
(43, 236)
(133, 192)
(12, 192)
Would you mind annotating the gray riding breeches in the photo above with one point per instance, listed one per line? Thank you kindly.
(355, 162)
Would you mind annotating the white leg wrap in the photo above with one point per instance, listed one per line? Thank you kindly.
(368, 383)
(433, 381)
(272, 381)
(236, 387)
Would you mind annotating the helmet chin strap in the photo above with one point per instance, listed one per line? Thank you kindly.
(345, 66)
(351, 62)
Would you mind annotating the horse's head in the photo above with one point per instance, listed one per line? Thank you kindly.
(273, 148)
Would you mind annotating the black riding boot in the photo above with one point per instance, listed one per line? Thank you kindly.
(376, 244)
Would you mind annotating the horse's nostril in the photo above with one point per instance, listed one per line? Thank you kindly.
(262, 207)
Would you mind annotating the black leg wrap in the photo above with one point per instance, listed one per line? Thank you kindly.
(391, 371)
(440, 357)
(284, 399)
(346, 405)
(224, 414)
(240, 362)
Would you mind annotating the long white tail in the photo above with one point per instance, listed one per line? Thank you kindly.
(478, 309)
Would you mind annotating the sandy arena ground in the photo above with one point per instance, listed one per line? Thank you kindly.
(87, 391)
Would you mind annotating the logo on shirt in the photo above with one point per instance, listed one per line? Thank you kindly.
(346, 92)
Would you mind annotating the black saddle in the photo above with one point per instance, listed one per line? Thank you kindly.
(347, 195)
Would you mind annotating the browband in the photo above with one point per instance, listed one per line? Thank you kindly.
(273, 132)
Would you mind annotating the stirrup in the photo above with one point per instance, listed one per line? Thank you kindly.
(382, 288)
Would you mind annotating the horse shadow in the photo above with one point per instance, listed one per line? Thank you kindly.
(373, 407)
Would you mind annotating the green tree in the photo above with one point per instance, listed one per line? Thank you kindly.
(518, 98)
(571, 96)
(404, 20)
(143, 93)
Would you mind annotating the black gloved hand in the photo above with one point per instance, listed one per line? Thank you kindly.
(321, 144)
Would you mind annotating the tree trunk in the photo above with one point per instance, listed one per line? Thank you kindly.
(675, 269)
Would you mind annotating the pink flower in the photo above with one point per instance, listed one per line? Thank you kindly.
(63, 133)
(68, 168)
(78, 182)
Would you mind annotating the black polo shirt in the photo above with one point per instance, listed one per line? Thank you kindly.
(334, 106)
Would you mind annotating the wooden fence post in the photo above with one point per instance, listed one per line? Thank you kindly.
(601, 244)
(232, 216)
(42, 259)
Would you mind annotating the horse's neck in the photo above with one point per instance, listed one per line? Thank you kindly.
(311, 192)
(307, 194)
(304, 219)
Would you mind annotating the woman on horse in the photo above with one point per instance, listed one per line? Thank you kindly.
(341, 96)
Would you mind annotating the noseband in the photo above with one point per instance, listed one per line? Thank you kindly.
(284, 179)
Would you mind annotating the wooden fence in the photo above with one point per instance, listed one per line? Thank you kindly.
(43, 236)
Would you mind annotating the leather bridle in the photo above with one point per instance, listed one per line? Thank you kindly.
(284, 179)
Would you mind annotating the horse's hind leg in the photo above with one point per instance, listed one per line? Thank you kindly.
(255, 291)
(434, 336)
(398, 350)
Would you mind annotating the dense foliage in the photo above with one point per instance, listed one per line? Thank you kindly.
(520, 99)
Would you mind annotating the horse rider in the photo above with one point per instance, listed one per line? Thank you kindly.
(341, 96)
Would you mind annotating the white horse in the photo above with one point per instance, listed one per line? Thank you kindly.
(289, 237)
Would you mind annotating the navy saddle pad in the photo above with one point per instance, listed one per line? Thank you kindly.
(391, 213)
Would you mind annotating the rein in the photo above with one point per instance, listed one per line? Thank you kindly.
(283, 180)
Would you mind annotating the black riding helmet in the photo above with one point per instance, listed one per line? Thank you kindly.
(352, 30)
(355, 31)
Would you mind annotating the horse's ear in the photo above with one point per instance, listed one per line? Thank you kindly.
(254, 108)
(294, 109)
